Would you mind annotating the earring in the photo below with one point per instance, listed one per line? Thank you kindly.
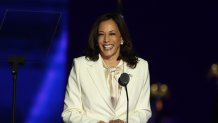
(121, 42)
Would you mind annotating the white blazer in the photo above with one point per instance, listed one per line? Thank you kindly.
(87, 98)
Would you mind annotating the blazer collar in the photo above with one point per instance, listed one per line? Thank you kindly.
(96, 72)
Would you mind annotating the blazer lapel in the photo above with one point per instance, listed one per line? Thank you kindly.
(123, 98)
(96, 72)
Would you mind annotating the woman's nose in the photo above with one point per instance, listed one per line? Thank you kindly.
(106, 38)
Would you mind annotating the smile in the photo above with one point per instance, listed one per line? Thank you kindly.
(108, 46)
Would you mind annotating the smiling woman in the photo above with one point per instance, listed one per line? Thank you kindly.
(109, 41)
(93, 93)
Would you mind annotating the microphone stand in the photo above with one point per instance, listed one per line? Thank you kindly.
(14, 61)
(123, 81)
(14, 74)
(127, 97)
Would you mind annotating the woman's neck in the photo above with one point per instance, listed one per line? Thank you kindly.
(110, 63)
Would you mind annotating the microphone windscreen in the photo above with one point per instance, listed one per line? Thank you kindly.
(16, 60)
(124, 79)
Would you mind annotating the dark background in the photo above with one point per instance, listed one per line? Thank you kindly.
(177, 38)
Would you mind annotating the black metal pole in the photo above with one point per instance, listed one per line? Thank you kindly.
(14, 74)
(14, 61)
(119, 6)
(127, 97)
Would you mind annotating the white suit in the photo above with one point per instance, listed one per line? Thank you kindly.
(87, 98)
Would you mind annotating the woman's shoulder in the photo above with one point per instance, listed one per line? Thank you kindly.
(80, 58)
(79, 61)
(142, 62)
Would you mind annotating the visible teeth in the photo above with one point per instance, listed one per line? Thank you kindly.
(109, 46)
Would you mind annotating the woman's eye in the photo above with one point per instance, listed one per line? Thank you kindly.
(112, 34)
(100, 34)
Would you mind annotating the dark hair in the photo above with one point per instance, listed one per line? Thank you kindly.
(126, 50)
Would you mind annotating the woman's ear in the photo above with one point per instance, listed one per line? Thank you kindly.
(121, 41)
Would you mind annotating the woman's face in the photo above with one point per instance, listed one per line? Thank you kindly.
(109, 39)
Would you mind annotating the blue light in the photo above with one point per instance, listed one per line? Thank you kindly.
(48, 102)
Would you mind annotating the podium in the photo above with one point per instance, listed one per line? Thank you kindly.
(26, 38)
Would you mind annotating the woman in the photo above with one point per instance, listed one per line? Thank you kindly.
(93, 93)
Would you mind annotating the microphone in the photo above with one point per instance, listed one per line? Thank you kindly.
(123, 81)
